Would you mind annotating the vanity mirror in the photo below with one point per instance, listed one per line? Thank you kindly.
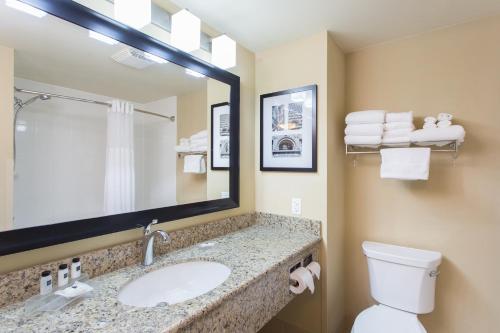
(107, 128)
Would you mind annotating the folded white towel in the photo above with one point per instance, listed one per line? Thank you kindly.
(430, 125)
(365, 117)
(405, 163)
(454, 132)
(364, 129)
(199, 148)
(196, 142)
(444, 116)
(362, 140)
(396, 139)
(194, 164)
(444, 123)
(200, 135)
(430, 119)
(182, 149)
(399, 125)
(183, 141)
(397, 133)
(393, 117)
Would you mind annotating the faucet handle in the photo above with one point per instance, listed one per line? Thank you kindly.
(147, 229)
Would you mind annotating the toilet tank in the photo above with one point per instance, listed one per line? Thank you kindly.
(401, 277)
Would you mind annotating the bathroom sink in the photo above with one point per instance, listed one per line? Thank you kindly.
(174, 284)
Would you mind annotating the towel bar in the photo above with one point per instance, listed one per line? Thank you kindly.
(446, 147)
(182, 154)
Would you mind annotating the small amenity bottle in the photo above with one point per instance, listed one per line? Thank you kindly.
(76, 268)
(62, 275)
(45, 283)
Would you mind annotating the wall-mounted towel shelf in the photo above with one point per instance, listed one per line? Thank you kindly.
(436, 146)
(186, 153)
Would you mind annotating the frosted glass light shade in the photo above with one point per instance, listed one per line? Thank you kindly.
(134, 13)
(223, 52)
(186, 30)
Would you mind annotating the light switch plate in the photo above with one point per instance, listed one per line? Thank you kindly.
(296, 206)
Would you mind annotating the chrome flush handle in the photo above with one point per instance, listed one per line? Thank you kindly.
(434, 273)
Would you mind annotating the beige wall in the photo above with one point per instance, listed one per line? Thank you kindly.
(6, 138)
(217, 180)
(313, 60)
(191, 118)
(456, 212)
(245, 70)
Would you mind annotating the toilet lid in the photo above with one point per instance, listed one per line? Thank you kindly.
(384, 319)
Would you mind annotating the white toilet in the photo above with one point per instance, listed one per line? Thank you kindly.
(403, 281)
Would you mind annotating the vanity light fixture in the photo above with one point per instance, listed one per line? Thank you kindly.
(102, 38)
(154, 58)
(134, 13)
(25, 8)
(223, 52)
(186, 31)
(194, 73)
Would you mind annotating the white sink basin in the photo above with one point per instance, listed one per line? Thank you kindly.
(174, 284)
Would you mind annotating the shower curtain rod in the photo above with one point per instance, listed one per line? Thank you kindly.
(32, 92)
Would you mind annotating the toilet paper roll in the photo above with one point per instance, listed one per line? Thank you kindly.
(314, 268)
(430, 125)
(445, 116)
(430, 119)
(444, 123)
(304, 279)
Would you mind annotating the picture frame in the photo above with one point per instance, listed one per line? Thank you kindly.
(288, 137)
(219, 136)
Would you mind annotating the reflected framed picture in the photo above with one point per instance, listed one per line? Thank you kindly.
(219, 143)
(288, 140)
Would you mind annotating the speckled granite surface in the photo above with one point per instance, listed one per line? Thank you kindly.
(258, 257)
(20, 285)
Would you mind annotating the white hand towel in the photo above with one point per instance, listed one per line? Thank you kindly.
(444, 123)
(430, 119)
(194, 164)
(430, 125)
(454, 132)
(197, 142)
(365, 117)
(397, 133)
(362, 140)
(399, 125)
(445, 116)
(364, 129)
(393, 117)
(405, 163)
(200, 135)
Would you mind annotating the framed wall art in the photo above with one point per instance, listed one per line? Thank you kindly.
(288, 139)
(220, 136)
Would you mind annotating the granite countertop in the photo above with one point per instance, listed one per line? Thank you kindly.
(249, 252)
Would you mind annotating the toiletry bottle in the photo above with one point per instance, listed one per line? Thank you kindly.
(76, 268)
(62, 275)
(45, 283)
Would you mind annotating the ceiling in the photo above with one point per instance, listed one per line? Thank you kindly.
(355, 24)
(56, 52)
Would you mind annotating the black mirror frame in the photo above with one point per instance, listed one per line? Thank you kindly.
(19, 240)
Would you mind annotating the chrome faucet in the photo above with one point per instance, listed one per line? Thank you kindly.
(148, 243)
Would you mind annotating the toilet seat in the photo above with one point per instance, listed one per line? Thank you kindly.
(384, 319)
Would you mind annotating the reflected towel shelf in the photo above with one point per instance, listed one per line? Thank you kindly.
(181, 154)
(436, 146)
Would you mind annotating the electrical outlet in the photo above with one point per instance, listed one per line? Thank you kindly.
(296, 206)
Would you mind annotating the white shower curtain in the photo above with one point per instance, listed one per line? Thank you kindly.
(119, 179)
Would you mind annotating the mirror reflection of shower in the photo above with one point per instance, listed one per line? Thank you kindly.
(18, 106)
